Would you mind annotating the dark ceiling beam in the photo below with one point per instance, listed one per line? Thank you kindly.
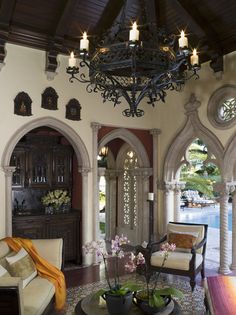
(54, 45)
(153, 11)
(65, 18)
(199, 23)
(6, 12)
(108, 17)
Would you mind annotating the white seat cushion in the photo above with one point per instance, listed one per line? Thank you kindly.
(175, 260)
(37, 294)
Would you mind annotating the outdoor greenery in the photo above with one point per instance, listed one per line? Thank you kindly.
(102, 227)
(197, 175)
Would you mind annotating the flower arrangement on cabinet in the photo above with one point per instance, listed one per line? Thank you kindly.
(56, 198)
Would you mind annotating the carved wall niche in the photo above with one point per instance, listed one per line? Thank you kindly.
(73, 109)
(22, 104)
(49, 99)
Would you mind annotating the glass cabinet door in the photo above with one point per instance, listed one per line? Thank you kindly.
(18, 160)
(61, 167)
(40, 168)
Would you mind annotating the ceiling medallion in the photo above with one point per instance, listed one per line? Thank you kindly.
(137, 63)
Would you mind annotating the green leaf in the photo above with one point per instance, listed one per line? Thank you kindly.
(129, 286)
(100, 292)
(156, 300)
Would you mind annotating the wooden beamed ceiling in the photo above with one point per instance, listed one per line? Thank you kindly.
(56, 25)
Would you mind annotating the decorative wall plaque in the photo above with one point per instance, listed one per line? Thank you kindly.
(73, 109)
(49, 99)
(22, 104)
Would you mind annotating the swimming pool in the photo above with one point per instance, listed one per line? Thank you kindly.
(212, 218)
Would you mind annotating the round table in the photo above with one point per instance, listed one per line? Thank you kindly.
(94, 306)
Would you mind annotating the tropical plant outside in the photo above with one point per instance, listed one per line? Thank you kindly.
(199, 176)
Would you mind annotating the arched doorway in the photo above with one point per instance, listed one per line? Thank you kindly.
(127, 184)
(81, 155)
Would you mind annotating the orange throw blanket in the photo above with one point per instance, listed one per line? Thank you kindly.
(44, 268)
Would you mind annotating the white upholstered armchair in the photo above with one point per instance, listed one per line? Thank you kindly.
(189, 257)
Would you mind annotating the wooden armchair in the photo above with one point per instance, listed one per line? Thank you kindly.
(189, 257)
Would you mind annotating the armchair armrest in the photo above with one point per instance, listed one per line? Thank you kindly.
(51, 250)
(199, 245)
(154, 246)
(11, 296)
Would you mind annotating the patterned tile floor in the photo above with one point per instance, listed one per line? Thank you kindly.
(191, 304)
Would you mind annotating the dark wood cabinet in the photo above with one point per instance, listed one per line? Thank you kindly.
(66, 226)
(42, 164)
(18, 159)
(43, 161)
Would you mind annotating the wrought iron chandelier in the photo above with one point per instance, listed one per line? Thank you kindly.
(134, 63)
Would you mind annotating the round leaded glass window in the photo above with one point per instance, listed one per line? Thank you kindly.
(227, 111)
(221, 109)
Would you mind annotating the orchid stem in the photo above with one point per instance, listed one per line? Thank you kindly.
(106, 273)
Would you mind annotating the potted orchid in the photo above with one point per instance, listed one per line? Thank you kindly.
(151, 299)
(118, 296)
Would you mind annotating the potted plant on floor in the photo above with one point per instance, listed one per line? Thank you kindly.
(151, 299)
(118, 296)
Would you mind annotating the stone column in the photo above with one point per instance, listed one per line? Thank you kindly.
(168, 206)
(233, 265)
(177, 194)
(87, 215)
(224, 189)
(95, 127)
(110, 176)
(155, 133)
(8, 170)
(101, 172)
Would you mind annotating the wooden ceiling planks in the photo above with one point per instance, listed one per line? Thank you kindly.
(210, 24)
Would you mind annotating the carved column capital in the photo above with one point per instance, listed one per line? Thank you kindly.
(8, 170)
(179, 186)
(84, 170)
(224, 188)
(169, 186)
(145, 173)
(155, 132)
(112, 174)
(95, 126)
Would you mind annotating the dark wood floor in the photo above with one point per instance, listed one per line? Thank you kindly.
(85, 275)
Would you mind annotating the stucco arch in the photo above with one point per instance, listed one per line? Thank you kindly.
(131, 139)
(75, 140)
(229, 159)
(80, 151)
(193, 129)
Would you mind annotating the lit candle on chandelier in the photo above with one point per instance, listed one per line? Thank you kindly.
(183, 40)
(84, 42)
(150, 196)
(134, 33)
(72, 60)
(194, 59)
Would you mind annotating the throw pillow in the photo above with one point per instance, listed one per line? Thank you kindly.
(21, 265)
(4, 272)
(183, 242)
